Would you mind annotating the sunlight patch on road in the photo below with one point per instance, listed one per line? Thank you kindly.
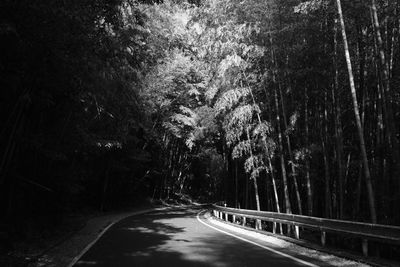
(139, 254)
(140, 229)
(193, 250)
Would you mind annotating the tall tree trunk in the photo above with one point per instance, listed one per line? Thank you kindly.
(236, 184)
(289, 147)
(256, 194)
(338, 125)
(268, 156)
(307, 137)
(246, 195)
(357, 202)
(323, 135)
(277, 205)
(288, 206)
(394, 40)
(371, 197)
(105, 185)
(391, 127)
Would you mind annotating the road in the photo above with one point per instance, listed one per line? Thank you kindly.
(183, 237)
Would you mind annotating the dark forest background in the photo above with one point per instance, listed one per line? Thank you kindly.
(105, 104)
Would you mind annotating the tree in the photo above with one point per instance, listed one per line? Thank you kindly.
(371, 197)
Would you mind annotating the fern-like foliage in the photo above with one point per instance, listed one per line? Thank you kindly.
(292, 123)
(253, 162)
(185, 120)
(190, 140)
(233, 135)
(187, 111)
(231, 61)
(231, 98)
(242, 115)
(243, 148)
(262, 129)
(184, 125)
(257, 171)
(173, 129)
(310, 6)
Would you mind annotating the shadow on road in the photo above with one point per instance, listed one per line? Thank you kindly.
(142, 241)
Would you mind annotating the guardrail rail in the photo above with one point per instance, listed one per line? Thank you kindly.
(365, 231)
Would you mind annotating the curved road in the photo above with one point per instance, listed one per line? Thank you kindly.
(183, 237)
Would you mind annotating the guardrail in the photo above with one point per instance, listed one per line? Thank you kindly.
(365, 231)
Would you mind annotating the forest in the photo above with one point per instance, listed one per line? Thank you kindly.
(289, 106)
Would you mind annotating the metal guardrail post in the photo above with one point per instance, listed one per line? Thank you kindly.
(323, 238)
(365, 247)
(244, 221)
(258, 224)
(297, 231)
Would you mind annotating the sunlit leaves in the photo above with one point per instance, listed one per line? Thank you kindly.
(229, 62)
(255, 173)
(184, 120)
(310, 6)
(242, 116)
(231, 98)
(262, 129)
(292, 122)
(253, 162)
(241, 149)
(173, 129)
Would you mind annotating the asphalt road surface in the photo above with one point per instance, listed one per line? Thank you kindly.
(183, 237)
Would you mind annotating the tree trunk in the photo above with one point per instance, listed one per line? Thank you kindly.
(256, 195)
(246, 195)
(394, 41)
(371, 197)
(277, 205)
(294, 174)
(384, 69)
(323, 135)
(105, 186)
(288, 206)
(268, 159)
(236, 184)
(338, 125)
(307, 137)
(282, 157)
